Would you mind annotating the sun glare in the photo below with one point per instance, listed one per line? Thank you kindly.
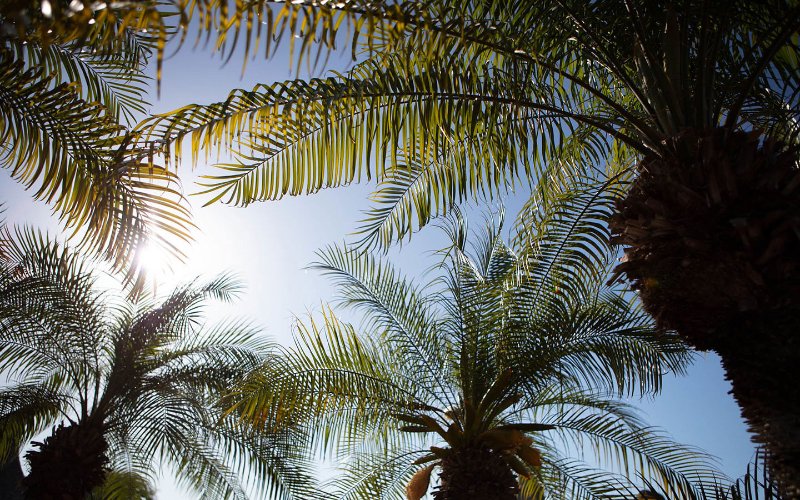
(153, 258)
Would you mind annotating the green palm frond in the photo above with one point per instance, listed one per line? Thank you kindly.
(75, 156)
(565, 232)
(755, 484)
(525, 300)
(112, 76)
(298, 137)
(391, 304)
(572, 479)
(235, 28)
(25, 411)
(122, 486)
(639, 452)
(332, 365)
(378, 476)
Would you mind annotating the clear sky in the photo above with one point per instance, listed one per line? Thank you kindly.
(268, 245)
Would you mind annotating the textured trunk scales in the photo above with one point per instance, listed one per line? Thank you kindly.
(475, 473)
(712, 244)
(69, 464)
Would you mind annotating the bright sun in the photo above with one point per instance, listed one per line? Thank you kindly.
(153, 258)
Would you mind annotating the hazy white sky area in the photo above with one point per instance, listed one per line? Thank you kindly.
(269, 244)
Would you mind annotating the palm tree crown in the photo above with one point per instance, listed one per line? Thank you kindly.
(127, 387)
(498, 369)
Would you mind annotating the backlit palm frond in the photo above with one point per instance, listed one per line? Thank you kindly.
(238, 28)
(562, 238)
(413, 193)
(113, 76)
(633, 453)
(341, 386)
(607, 344)
(179, 314)
(74, 155)
(52, 319)
(121, 485)
(216, 356)
(758, 81)
(220, 459)
(476, 305)
(567, 478)
(273, 463)
(389, 303)
(638, 452)
(773, 106)
(48, 127)
(25, 411)
(376, 475)
(353, 384)
(298, 137)
(755, 484)
(592, 337)
(202, 467)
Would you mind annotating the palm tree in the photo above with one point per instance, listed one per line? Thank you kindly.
(495, 374)
(692, 105)
(126, 388)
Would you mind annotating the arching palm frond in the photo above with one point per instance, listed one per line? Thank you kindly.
(299, 137)
(122, 485)
(379, 476)
(755, 484)
(144, 380)
(73, 154)
(236, 28)
(336, 364)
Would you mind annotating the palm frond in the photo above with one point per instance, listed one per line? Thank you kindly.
(389, 303)
(25, 411)
(298, 137)
(75, 156)
(337, 383)
(112, 76)
(380, 476)
(121, 486)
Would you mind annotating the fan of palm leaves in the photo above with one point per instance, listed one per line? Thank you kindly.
(458, 99)
(127, 388)
(488, 356)
(64, 107)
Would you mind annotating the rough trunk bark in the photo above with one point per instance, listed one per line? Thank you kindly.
(712, 235)
(476, 473)
(69, 464)
(11, 480)
(761, 360)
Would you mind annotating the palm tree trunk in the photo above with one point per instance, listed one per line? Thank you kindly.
(712, 237)
(11, 479)
(476, 472)
(761, 361)
(69, 464)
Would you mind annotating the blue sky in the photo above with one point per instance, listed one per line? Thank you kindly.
(269, 245)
